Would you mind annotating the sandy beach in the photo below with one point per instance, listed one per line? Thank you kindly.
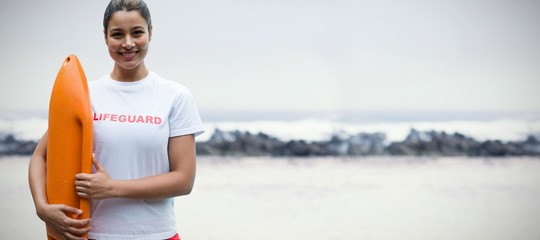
(331, 198)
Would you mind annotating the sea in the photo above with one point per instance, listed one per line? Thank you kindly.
(367, 198)
(332, 198)
(320, 126)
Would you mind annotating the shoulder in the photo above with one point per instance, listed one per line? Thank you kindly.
(170, 87)
(97, 83)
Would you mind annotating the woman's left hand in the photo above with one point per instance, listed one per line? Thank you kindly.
(98, 185)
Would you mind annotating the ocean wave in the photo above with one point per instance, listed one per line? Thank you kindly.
(506, 129)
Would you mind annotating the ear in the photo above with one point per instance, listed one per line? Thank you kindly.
(105, 37)
(150, 33)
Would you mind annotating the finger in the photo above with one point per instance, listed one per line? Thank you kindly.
(70, 236)
(83, 195)
(97, 164)
(79, 223)
(66, 208)
(82, 184)
(82, 192)
(82, 189)
(82, 176)
(78, 231)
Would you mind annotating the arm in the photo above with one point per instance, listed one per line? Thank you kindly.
(178, 181)
(52, 214)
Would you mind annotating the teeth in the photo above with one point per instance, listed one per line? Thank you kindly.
(128, 54)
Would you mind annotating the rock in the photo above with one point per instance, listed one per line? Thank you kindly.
(11, 146)
(417, 143)
(531, 145)
(238, 143)
(432, 143)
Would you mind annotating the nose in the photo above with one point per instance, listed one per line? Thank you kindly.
(128, 44)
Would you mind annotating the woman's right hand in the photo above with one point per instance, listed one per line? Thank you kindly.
(56, 217)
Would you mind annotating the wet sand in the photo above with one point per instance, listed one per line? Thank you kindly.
(329, 198)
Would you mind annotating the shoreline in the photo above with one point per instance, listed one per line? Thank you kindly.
(417, 143)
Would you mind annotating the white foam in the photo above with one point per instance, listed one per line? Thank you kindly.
(319, 130)
(24, 129)
(314, 130)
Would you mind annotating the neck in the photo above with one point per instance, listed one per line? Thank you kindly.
(129, 75)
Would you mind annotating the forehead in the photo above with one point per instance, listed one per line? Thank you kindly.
(127, 19)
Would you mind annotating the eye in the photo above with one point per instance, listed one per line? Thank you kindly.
(138, 32)
(116, 34)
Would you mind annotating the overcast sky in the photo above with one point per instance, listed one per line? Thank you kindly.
(295, 55)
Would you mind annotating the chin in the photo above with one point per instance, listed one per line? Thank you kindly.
(128, 66)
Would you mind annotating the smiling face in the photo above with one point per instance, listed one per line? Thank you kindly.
(128, 37)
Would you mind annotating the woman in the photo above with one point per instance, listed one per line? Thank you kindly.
(144, 138)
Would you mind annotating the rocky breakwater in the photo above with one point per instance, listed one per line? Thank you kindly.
(433, 143)
(417, 143)
(11, 146)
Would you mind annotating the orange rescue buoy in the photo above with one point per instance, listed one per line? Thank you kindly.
(69, 148)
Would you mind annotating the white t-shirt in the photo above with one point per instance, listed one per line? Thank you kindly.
(133, 122)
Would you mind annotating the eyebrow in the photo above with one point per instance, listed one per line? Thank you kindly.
(121, 29)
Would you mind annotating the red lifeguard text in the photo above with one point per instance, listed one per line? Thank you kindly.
(125, 118)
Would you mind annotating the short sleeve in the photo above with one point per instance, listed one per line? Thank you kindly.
(184, 118)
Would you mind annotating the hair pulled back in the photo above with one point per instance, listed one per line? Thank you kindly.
(126, 5)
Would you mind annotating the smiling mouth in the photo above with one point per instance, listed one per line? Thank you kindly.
(128, 55)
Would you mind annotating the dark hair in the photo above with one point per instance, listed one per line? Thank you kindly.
(126, 5)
